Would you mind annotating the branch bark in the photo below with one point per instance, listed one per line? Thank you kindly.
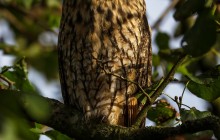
(69, 121)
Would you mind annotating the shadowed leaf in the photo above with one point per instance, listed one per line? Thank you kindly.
(202, 35)
(207, 85)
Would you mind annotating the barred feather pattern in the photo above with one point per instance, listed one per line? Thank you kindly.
(104, 51)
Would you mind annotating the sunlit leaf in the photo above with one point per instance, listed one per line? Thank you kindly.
(53, 3)
(18, 74)
(162, 112)
(27, 3)
(39, 128)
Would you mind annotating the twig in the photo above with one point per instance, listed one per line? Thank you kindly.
(216, 52)
(126, 79)
(168, 78)
(170, 7)
(9, 82)
(177, 102)
(181, 100)
(158, 91)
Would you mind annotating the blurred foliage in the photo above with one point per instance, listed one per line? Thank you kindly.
(35, 26)
(14, 88)
(194, 114)
(17, 77)
(35, 23)
(202, 35)
(198, 24)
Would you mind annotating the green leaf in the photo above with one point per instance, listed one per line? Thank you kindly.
(183, 26)
(156, 60)
(162, 40)
(24, 3)
(54, 21)
(36, 107)
(194, 114)
(207, 85)
(16, 129)
(202, 36)
(18, 74)
(9, 104)
(190, 7)
(27, 3)
(53, 3)
(162, 112)
(13, 119)
(207, 92)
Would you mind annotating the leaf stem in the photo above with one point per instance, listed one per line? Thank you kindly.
(9, 82)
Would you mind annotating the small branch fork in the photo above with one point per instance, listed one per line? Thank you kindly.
(156, 93)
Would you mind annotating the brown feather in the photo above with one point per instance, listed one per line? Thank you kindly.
(103, 45)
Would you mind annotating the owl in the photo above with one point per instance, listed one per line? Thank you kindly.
(104, 51)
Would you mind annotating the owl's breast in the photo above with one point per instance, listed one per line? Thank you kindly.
(104, 56)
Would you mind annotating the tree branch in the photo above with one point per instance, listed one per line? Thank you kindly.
(69, 121)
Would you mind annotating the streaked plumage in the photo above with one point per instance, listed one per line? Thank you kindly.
(100, 43)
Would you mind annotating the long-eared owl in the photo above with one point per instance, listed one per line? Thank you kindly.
(104, 53)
